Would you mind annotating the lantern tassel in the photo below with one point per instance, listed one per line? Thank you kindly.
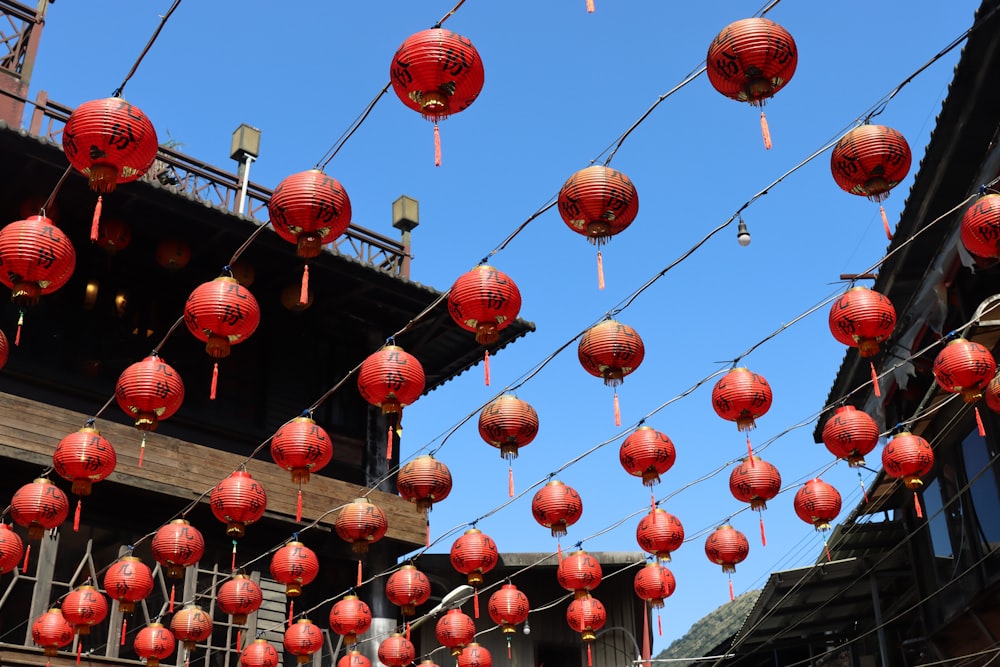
(600, 270)
(291, 611)
(233, 566)
(124, 626)
(749, 451)
(765, 131)
(652, 501)
(76, 515)
(427, 540)
(437, 146)
(486, 367)
(27, 553)
(388, 446)
(659, 625)
(590, 658)
(878, 392)
(763, 537)
(173, 589)
(590, 6)
(475, 602)
(885, 222)
(215, 381)
(359, 573)
(304, 289)
(142, 448)
(510, 481)
(916, 506)
(618, 411)
(239, 638)
(298, 507)
(979, 422)
(79, 650)
(509, 656)
(20, 323)
(826, 548)
(864, 492)
(95, 224)
(731, 596)
(559, 551)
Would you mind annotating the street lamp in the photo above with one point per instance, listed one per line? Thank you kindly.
(638, 651)
(244, 149)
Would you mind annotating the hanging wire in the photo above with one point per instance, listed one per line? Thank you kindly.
(163, 21)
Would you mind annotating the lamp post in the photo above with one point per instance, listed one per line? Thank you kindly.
(244, 149)
(638, 652)
(405, 216)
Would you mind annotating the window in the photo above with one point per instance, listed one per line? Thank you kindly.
(937, 520)
(983, 490)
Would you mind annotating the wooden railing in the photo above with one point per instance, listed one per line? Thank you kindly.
(185, 174)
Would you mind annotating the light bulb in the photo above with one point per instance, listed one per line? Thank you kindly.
(742, 234)
(527, 628)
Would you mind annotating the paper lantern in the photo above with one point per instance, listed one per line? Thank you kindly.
(349, 618)
(817, 503)
(475, 655)
(176, 546)
(192, 626)
(309, 209)
(455, 630)
(508, 423)
(302, 640)
(508, 607)
(260, 653)
(964, 367)
(154, 643)
(239, 597)
(862, 318)
(295, 565)
(354, 658)
(727, 547)
(586, 615)
(11, 549)
(84, 607)
(238, 501)
(660, 533)
(484, 301)
(908, 457)
(128, 581)
(396, 651)
(38, 506)
(172, 254)
(114, 236)
(647, 453)
(391, 379)
(653, 583)
(424, 481)
(870, 160)
(980, 232)
(51, 631)
(742, 397)
(580, 573)
(408, 588)
(474, 554)
(611, 350)
(361, 522)
(302, 447)
(149, 391)
(84, 457)
(557, 506)
(850, 434)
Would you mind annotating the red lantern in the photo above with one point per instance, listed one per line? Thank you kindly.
(424, 481)
(817, 503)
(611, 350)
(908, 457)
(239, 597)
(428, 663)
(474, 554)
(354, 659)
(38, 506)
(350, 617)
(309, 209)
(508, 607)
(653, 583)
(557, 506)
(750, 61)
(83, 457)
(579, 572)
(301, 446)
(755, 481)
(992, 394)
(361, 523)
(84, 607)
(173, 254)
(11, 549)
(294, 565)
(598, 202)
(964, 367)
(51, 632)
(128, 581)
(260, 653)
(981, 227)
(391, 379)
(221, 313)
(508, 423)
(192, 626)
(742, 397)
(870, 160)
(862, 318)
(437, 73)
(238, 501)
(727, 547)
(660, 533)
(484, 301)
(154, 643)
(586, 616)
(475, 655)
(408, 588)
(455, 630)
(110, 142)
(647, 453)
(396, 651)
(302, 640)
(149, 390)
(850, 434)
(38, 259)
(114, 236)
(4, 349)
(177, 545)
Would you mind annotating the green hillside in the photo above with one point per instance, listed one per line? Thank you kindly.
(706, 634)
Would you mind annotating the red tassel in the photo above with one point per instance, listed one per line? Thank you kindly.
(590, 6)
(359, 574)
(291, 611)
(388, 446)
(885, 222)
(27, 552)
(95, 224)
(124, 625)
(878, 392)
(304, 289)
(763, 537)
(864, 492)
(187, 659)
(600, 270)
(172, 592)
(437, 146)
(916, 505)
(826, 548)
(215, 381)
(749, 451)
(652, 502)
(559, 551)
(659, 625)
(590, 658)
(79, 650)
(509, 656)
(142, 448)
(76, 515)
(233, 566)
(486, 367)
(731, 596)
(239, 639)
(298, 507)
(765, 131)
(20, 323)
(510, 481)
(979, 422)
(475, 602)
(618, 411)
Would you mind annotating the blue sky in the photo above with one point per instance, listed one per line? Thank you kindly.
(561, 86)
